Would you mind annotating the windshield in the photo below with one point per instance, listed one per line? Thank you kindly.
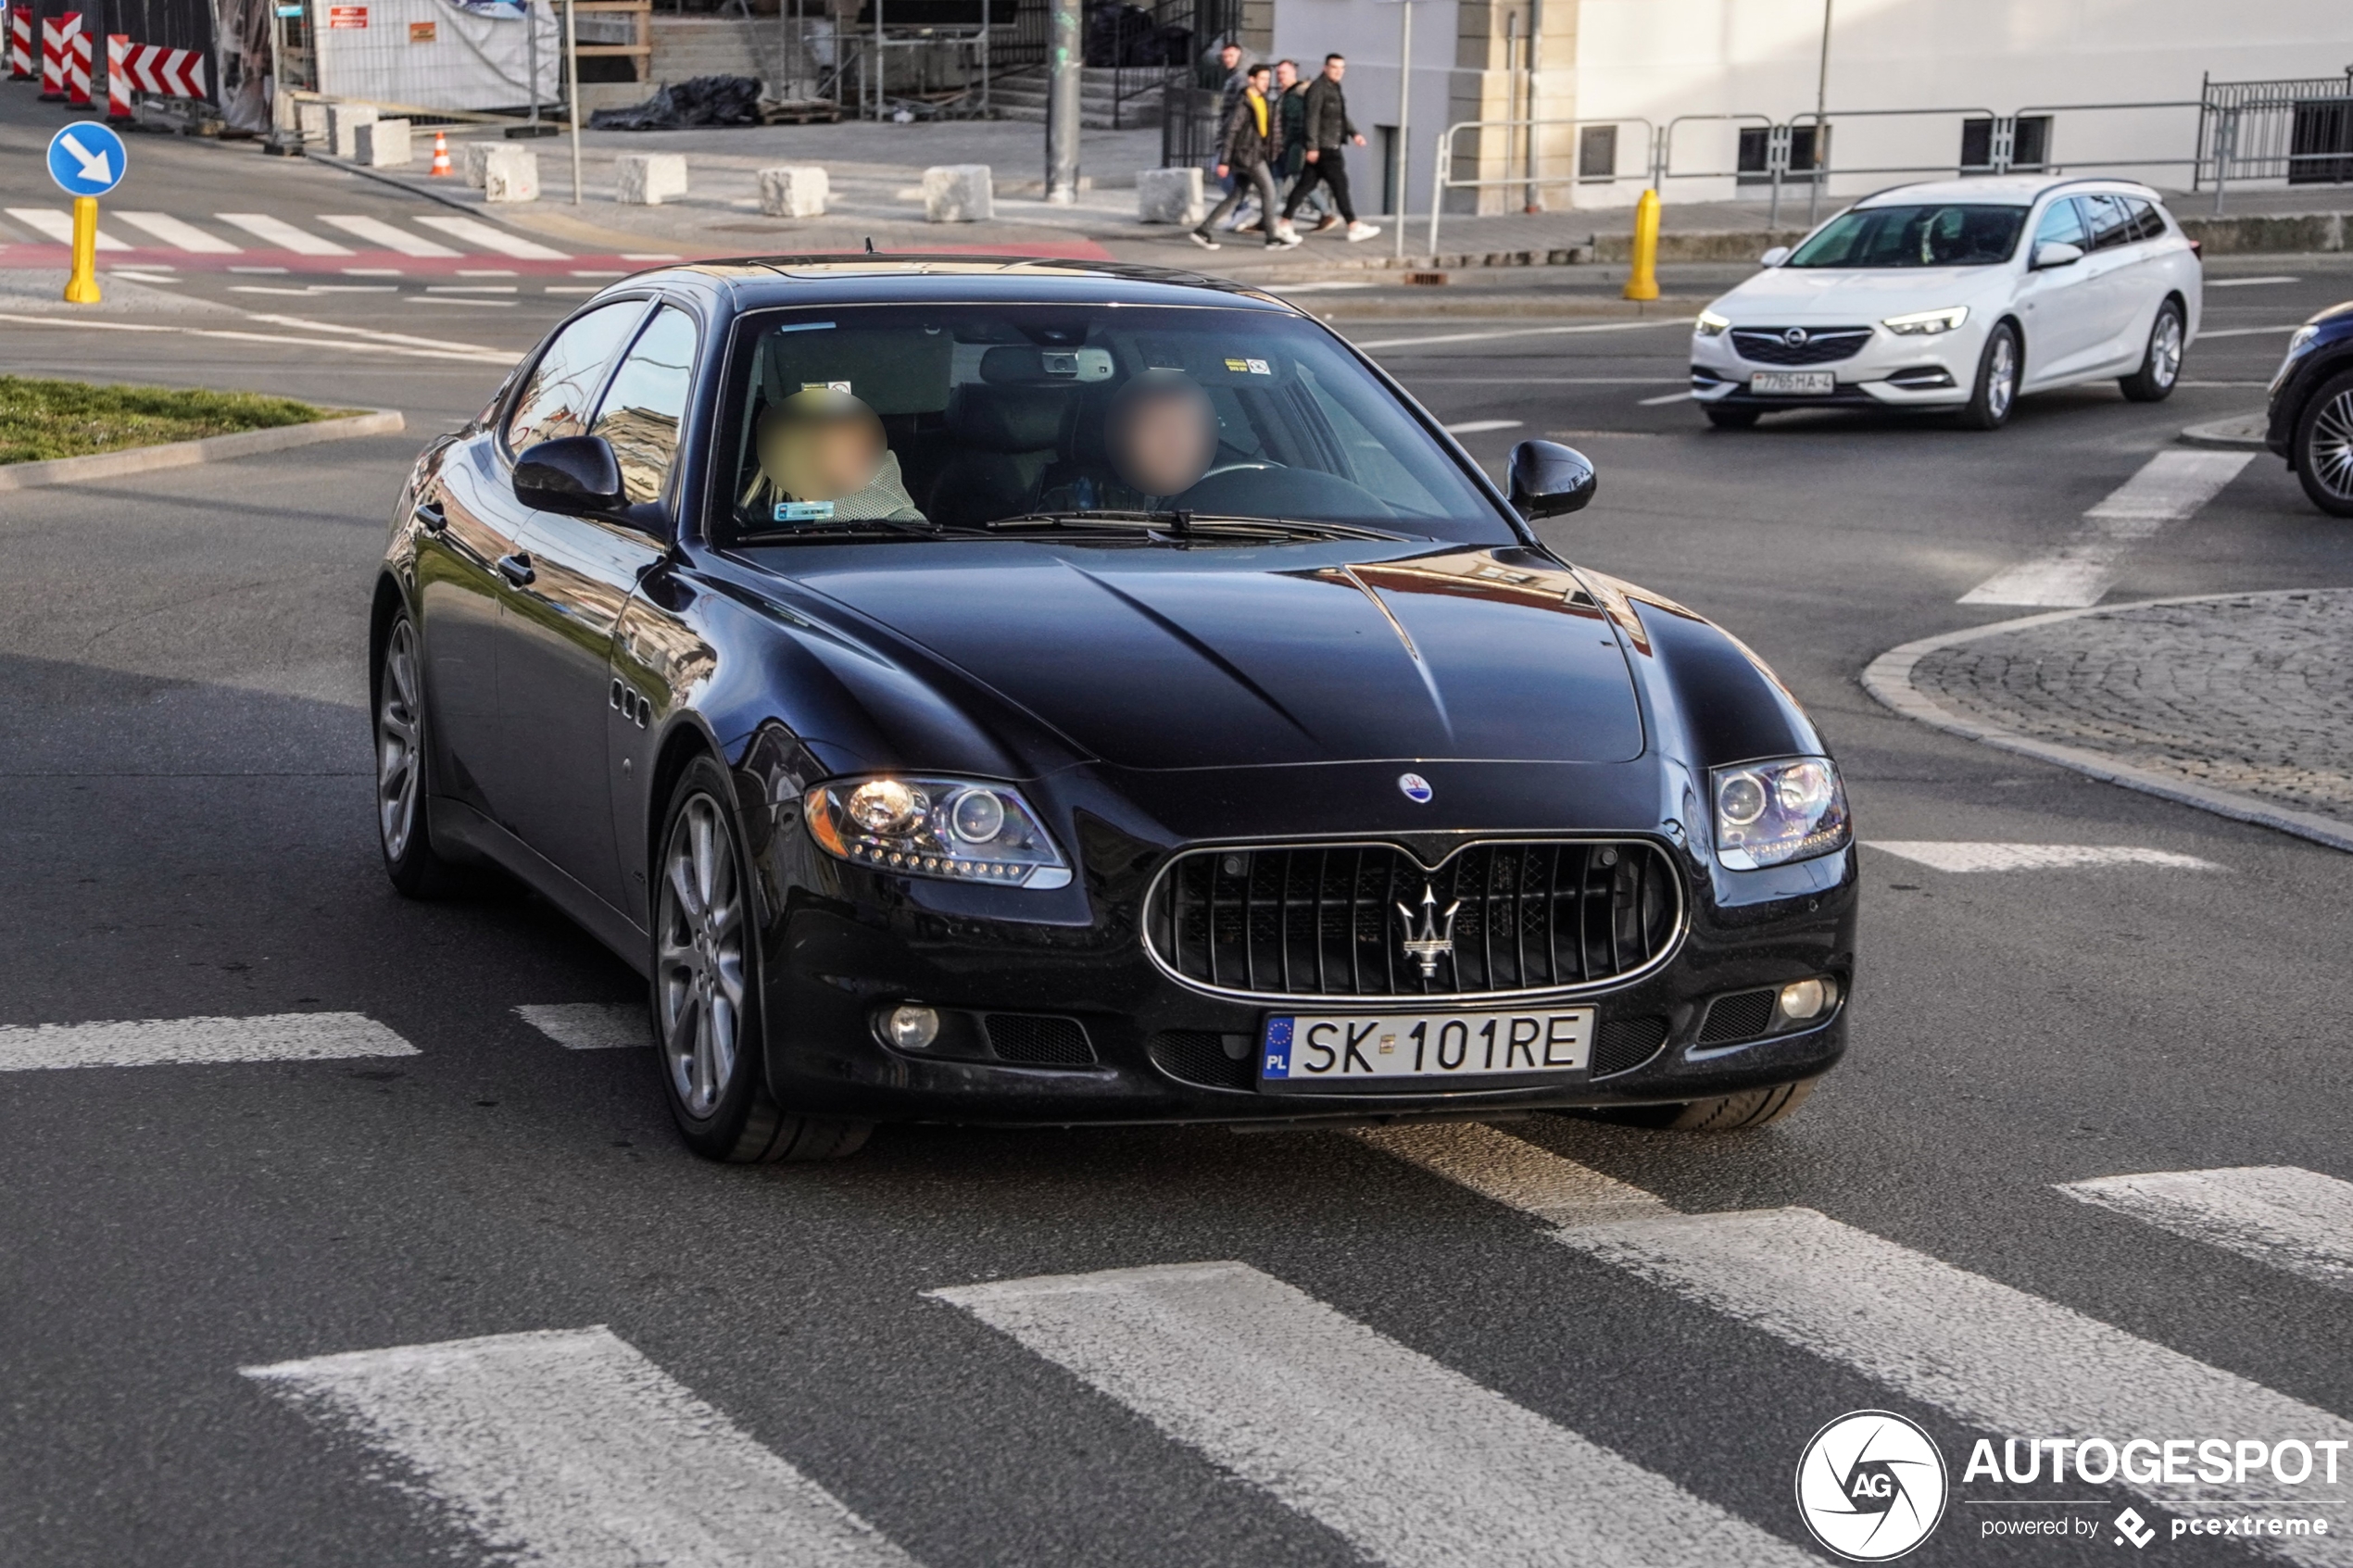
(1944, 234)
(920, 418)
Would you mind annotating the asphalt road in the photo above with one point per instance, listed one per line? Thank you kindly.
(184, 785)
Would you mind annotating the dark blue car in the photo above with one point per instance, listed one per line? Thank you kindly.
(2312, 408)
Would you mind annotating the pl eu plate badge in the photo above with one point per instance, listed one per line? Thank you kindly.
(1277, 1063)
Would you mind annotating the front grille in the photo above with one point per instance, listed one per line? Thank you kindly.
(1332, 921)
(1740, 1016)
(1038, 1040)
(1625, 1044)
(1821, 346)
(1205, 1057)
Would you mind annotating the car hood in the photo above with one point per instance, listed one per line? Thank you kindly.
(1153, 658)
(1828, 294)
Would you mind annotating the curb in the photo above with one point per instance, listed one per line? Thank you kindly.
(2243, 432)
(1889, 679)
(186, 454)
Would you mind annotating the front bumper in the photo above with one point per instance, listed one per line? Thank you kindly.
(1888, 371)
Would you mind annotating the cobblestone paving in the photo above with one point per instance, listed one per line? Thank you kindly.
(2253, 695)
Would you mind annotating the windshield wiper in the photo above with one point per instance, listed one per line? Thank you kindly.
(1180, 524)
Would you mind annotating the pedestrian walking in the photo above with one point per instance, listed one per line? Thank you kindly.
(1327, 134)
(1228, 72)
(1291, 94)
(1250, 141)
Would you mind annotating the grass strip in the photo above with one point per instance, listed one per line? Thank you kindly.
(41, 418)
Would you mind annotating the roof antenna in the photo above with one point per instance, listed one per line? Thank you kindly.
(869, 244)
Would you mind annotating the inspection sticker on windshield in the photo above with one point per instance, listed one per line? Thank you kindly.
(1337, 1047)
(803, 511)
(840, 387)
(1786, 382)
(1250, 367)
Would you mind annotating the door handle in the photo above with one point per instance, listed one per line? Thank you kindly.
(431, 515)
(516, 569)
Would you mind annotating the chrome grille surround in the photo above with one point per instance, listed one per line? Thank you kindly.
(1819, 345)
(1317, 923)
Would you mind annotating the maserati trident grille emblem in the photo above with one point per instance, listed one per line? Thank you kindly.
(1430, 944)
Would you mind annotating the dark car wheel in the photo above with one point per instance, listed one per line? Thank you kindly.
(705, 989)
(1732, 1113)
(2162, 361)
(402, 799)
(1731, 418)
(2324, 447)
(1995, 391)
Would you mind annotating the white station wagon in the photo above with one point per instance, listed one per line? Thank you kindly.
(1959, 295)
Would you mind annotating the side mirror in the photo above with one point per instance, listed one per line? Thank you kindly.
(2055, 253)
(1549, 479)
(572, 473)
(1774, 257)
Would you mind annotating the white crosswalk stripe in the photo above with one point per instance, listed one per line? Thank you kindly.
(590, 1027)
(569, 1448)
(385, 236)
(2294, 1220)
(1412, 1463)
(156, 1042)
(179, 233)
(2171, 486)
(56, 224)
(479, 236)
(279, 234)
(1961, 855)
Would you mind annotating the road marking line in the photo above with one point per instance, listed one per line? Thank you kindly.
(1515, 1172)
(569, 1448)
(162, 1042)
(1960, 855)
(1670, 397)
(363, 346)
(471, 288)
(179, 234)
(2250, 332)
(444, 299)
(1474, 427)
(374, 334)
(2246, 282)
(2170, 486)
(2298, 1220)
(386, 236)
(282, 235)
(1523, 332)
(482, 236)
(52, 223)
(590, 1027)
(1412, 1462)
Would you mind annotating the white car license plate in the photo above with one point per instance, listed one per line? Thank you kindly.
(1339, 1047)
(1766, 382)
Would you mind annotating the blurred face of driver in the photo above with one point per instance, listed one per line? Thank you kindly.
(820, 446)
(1162, 433)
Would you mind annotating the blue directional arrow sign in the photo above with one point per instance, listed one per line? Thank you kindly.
(86, 160)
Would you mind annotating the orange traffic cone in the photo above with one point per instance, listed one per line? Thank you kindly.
(441, 154)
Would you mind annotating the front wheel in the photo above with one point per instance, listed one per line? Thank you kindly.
(402, 799)
(2322, 446)
(1995, 390)
(1732, 1113)
(2162, 361)
(707, 1006)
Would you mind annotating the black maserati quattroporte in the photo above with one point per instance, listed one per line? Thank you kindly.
(974, 689)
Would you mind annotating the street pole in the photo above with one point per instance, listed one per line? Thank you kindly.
(1061, 105)
(1405, 126)
(1535, 64)
(571, 87)
(1821, 130)
(531, 58)
(81, 284)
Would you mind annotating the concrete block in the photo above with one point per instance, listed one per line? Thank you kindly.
(511, 175)
(311, 117)
(382, 144)
(1170, 195)
(650, 179)
(474, 157)
(344, 121)
(958, 192)
(794, 191)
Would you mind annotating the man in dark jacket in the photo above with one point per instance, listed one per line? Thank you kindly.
(1251, 142)
(1291, 94)
(1328, 131)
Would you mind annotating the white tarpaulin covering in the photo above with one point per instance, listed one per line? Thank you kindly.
(436, 54)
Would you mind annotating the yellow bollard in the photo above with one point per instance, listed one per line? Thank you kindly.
(81, 286)
(1641, 282)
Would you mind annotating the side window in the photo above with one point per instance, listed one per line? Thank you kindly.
(2110, 221)
(647, 403)
(2061, 225)
(555, 400)
(2146, 224)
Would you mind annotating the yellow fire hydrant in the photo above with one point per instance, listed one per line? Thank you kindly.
(1641, 281)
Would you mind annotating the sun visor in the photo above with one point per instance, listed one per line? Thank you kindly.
(891, 370)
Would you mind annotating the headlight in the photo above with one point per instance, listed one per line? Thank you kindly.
(1771, 813)
(1710, 324)
(956, 830)
(1927, 323)
(2304, 336)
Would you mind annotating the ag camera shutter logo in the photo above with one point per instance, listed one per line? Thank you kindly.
(1871, 1486)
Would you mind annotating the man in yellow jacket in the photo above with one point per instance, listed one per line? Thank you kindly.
(1250, 141)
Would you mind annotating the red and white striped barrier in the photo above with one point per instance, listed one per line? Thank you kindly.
(20, 43)
(77, 63)
(54, 32)
(173, 73)
(118, 76)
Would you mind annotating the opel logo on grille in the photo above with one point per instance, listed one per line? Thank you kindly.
(1795, 337)
(1429, 944)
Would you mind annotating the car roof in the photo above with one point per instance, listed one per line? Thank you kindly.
(849, 278)
(1996, 190)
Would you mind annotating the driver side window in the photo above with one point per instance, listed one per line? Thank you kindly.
(2061, 225)
(555, 400)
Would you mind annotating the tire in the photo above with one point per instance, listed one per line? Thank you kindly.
(1733, 1113)
(1731, 418)
(2162, 361)
(2323, 446)
(1995, 392)
(404, 796)
(706, 991)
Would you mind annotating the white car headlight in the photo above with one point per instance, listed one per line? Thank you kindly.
(1710, 324)
(1771, 813)
(1927, 323)
(957, 830)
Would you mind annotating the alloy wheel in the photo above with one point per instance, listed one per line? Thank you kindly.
(2165, 349)
(398, 748)
(2001, 377)
(2329, 455)
(699, 976)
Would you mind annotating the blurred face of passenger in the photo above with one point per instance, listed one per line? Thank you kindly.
(1162, 433)
(820, 445)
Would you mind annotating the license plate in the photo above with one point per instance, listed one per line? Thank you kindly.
(1785, 381)
(1342, 1048)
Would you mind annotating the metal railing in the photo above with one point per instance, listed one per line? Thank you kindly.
(1531, 179)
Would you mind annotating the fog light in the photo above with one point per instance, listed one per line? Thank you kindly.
(1808, 999)
(911, 1029)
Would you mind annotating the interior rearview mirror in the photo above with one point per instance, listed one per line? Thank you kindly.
(572, 473)
(1774, 257)
(2055, 253)
(1549, 479)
